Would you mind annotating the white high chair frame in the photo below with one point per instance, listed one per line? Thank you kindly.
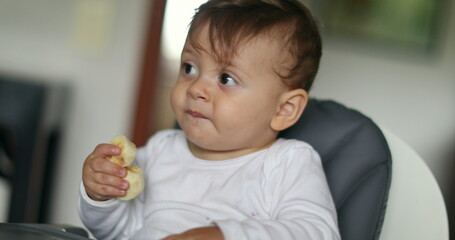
(415, 208)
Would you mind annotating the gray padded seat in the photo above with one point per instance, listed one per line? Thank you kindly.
(357, 163)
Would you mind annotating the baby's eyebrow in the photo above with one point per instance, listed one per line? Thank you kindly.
(188, 50)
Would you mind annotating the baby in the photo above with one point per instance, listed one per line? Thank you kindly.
(246, 69)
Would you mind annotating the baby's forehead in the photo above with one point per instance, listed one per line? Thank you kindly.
(225, 50)
(264, 48)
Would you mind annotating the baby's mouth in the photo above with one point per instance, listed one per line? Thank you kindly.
(196, 114)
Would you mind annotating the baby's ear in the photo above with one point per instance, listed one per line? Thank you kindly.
(290, 108)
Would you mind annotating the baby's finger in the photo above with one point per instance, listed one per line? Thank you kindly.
(113, 181)
(104, 150)
(102, 165)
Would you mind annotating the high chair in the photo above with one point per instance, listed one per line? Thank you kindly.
(381, 188)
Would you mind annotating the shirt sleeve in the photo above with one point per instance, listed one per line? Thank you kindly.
(116, 219)
(301, 204)
(105, 220)
(111, 219)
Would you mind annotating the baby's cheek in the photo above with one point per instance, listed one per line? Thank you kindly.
(176, 99)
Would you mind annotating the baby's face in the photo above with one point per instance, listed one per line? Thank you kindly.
(227, 112)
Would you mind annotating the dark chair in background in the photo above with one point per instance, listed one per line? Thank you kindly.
(31, 118)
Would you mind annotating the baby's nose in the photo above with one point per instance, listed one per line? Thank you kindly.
(199, 90)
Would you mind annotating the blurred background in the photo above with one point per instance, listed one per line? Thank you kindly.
(104, 68)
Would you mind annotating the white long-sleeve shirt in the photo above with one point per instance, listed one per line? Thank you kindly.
(278, 193)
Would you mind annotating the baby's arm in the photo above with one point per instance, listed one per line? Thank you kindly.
(100, 211)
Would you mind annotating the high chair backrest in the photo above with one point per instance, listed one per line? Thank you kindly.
(357, 163)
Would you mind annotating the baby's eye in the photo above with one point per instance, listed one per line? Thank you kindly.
(226, 79)
(189, 69)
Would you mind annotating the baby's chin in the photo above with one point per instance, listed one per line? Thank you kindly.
(222, 151)
(206, 150)
(204, 145)
(202, 135)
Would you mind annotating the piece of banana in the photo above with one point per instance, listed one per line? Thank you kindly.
(128, 151)
(135, 175)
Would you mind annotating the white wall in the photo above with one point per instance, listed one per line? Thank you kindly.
(49, 39)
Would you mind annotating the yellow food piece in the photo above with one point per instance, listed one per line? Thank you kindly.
(128, 151)
(135, 175)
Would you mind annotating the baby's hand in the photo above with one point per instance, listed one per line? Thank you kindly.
(203, 233)
(103, 179)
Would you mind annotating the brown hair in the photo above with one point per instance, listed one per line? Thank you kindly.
(232, 22)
